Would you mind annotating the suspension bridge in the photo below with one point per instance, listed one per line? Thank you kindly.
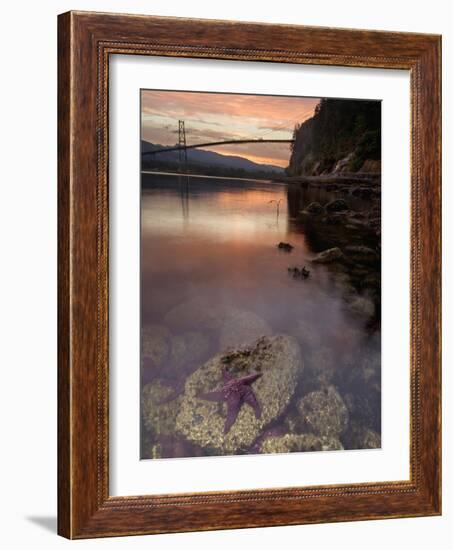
(182, 148)
(213, 143)
(182, 144)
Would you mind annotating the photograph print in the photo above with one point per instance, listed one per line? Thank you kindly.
(260, 274)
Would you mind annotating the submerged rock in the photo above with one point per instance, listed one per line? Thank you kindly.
(296, 443)
(324, 412)
(242, 327)
(202, 422)
(321, 363)
(188, 349)
(198, 312)
(299, 272)
(307, 333)
(370, 439)
(164, 449)
(286, 247)
(327, 256)
(361, 306)
(159, 415)
(364, 192)
(361, 254)
(362, 381)
(337, 205)
(155, 344)
(342, 282)
(314, 208)
(360, 437)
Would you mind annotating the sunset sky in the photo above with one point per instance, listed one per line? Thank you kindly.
(216, 117)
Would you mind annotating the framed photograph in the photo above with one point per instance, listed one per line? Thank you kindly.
(249, 275)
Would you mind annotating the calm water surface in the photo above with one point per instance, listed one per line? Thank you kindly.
(215, 239)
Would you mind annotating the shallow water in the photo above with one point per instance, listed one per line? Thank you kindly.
(215, 240)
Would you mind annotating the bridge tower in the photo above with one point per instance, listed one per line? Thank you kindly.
(182, 144)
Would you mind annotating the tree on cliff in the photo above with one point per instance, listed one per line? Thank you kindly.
(338, 128)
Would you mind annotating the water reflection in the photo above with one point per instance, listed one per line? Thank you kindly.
(212, 241)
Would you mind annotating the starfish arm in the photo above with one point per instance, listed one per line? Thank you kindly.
(250, 378)
(212, 396)
(227, 376)
(233, 408)
(251, 400)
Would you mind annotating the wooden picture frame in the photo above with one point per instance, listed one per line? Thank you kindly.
(85, 41)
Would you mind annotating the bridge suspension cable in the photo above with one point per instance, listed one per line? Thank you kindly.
(213, 143)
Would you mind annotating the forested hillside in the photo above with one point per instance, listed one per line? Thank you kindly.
(342, 136)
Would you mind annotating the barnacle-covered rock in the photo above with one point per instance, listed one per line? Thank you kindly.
(360, 306)
(155, 344)
(159, 410)
(296, 443)
(166, 447)
(360, 437)
(327, 256)
(321, 363)
(314, 208)
(202, 422)
(337, 205)
(361, 254)
(324, 412)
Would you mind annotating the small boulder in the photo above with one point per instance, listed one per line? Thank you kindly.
(314, 208)
(202, 422)
(159, 413)
(337, 205)
(324, 412)
(360, 437)
(321, 363)
(299, 272)
(362, 192)
(361, 254)
(286, 247)
(361, 306)
(155, 344)
(327, 256)
(297, 443)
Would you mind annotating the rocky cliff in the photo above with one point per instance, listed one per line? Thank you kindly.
(342, 136)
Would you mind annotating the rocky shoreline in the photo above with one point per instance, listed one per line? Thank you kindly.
(353, 252)
(333, 179)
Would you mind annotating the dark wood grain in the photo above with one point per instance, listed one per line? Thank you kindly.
(86, 40)
(64, 369)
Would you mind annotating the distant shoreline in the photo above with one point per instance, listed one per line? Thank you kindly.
(261, 180)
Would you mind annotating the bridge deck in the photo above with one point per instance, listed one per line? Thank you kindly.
(211, 144)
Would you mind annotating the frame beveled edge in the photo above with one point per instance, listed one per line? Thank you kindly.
(85, 41)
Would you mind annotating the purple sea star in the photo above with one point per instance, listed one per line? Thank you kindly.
(235, 392)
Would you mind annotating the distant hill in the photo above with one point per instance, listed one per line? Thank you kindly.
(203, 161)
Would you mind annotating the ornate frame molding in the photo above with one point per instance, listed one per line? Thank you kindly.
(86, 40)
